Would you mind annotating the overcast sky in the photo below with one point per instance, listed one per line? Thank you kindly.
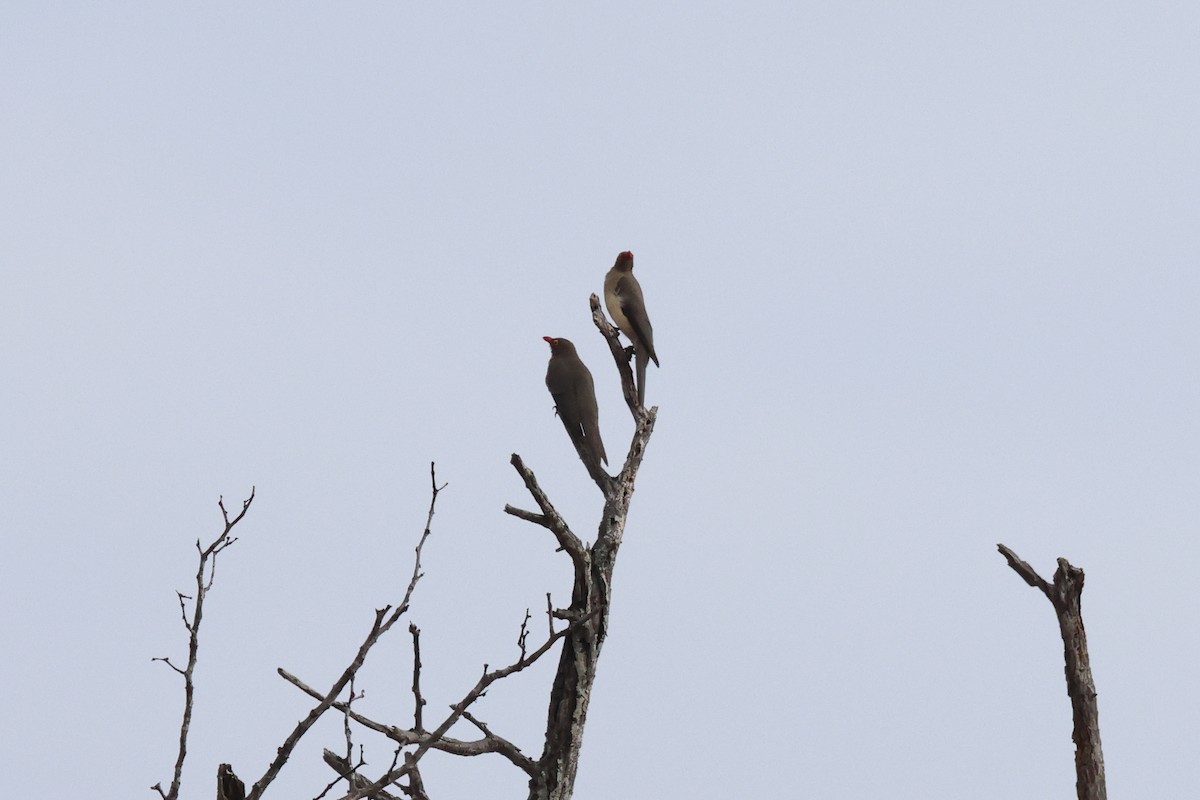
(923, 276)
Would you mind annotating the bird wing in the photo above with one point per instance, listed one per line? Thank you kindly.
(629, 293)
(575, 400)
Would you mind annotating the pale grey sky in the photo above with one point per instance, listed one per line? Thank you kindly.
(923, 278)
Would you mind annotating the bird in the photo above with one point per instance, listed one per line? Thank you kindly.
(623, 297)
(570, 384)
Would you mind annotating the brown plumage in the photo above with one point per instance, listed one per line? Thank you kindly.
(623, 297)
(570, 384)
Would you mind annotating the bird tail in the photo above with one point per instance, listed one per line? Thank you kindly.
(640, 361)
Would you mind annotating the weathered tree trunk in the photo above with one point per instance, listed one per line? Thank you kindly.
(1065, 595)
(591, 597)
(569, 699)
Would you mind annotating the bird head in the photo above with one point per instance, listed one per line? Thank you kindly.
(558, 345)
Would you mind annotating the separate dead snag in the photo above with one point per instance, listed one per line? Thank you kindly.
(229, 785)
(1065, 595)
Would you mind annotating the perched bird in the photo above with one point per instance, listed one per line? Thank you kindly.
(623, 297)
(570, 384)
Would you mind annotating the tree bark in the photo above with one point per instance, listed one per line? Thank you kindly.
(229, 786)
(1065, 594)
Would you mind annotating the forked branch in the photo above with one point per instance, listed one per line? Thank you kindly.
(385, 618)
(435, 739)
(1065, 594)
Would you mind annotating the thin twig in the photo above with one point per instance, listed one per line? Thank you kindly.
(524, 634)
(418, 700)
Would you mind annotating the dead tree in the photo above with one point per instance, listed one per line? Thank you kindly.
(580, 627)
(591, 596)
(1065, 594)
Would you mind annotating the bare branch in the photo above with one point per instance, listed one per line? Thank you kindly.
(1022, 568)
(415, 789)
(524, 634)
(502, 746)
(552, 520)
(418, 700)
(405, 736)
(529, 516)
(436, 738)
(416, 786)
(383, 623)
(349, 773)
(167, 661)
(205, 572)
(183, 610)
(620, 356)
(346, 722)
(223, 540)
